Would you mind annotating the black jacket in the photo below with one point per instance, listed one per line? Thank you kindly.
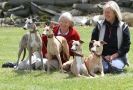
(111, 38)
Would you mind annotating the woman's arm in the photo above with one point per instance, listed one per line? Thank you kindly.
(125, 42)
(95, 33)
(44, 45)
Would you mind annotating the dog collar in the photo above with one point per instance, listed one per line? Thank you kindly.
(50, 36)
(77, 54)
(33, 31)
(96, 54)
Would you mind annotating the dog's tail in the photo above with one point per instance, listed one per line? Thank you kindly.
(24, 54)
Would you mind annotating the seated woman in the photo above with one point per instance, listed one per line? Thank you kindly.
(116, 33)
(64, 28)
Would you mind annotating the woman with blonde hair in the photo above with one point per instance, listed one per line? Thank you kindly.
(116, 33)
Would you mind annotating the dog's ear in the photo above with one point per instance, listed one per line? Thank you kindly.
(73, 41)
(91, 44)
(47, 27)
(103, 42)
(92, 41)
(81, 41)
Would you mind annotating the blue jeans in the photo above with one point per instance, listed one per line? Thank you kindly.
(115, 65)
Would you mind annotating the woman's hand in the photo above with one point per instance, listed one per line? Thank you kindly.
(114, 56)
(111, 57)
(46, 55)
(107, 57)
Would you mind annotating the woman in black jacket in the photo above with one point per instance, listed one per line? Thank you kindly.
(116, 33)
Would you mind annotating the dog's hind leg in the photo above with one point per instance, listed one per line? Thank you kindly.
(24, 54)
(22, 46)
(60, 62)
(92, 73)
(19, 54)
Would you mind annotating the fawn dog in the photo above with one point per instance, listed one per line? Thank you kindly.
(55, 46)
(94, 61)
(78, 67)
(30, 41)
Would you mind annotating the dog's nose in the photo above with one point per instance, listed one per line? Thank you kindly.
(92, 50)
(72, 49)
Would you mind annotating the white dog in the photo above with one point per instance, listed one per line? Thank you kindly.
(78, 67)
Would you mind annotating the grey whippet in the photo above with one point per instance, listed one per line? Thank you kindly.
(30, 41)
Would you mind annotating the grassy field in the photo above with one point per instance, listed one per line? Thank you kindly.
(37, 80)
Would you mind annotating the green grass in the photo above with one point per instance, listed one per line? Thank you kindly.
(37, 80)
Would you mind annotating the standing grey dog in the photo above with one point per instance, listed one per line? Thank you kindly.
(30, 41)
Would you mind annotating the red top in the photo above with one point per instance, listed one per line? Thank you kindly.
(72, 35)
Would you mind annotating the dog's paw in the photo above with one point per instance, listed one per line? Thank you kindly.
(15, 67)
(62, 71)
(48, 72)
(96, 76)
(89, 77)
(102, 75)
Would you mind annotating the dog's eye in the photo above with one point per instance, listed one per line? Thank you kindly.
(76, 44)
(98, 46)
(29, 23)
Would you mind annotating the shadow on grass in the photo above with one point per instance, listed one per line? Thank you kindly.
(22, 72)
(124, 71)
(117, 73)
(70, 75)
(34, 73)
(44, 73)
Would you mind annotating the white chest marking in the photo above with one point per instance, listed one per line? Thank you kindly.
(33, 41)
(79, 63)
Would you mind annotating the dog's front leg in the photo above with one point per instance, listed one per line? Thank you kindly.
(85, 71)
(92, 73)
(48, 63)
(77, 72)
(60, 62)
(101, 72)
(43, 68)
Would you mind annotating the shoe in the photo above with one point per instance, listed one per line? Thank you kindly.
(8, 65)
